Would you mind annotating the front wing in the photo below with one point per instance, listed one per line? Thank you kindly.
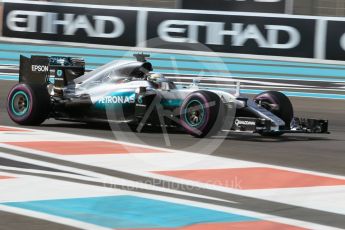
(298, 125)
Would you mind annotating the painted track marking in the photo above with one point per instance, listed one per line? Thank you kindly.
(158, 157)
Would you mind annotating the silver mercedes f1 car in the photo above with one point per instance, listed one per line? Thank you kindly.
(129, 91)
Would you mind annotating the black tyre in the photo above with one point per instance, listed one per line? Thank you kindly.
(201, 114)
(28, 104)
(279, 104)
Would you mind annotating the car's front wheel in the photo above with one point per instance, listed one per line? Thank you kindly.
(278, 104)
(201, 114)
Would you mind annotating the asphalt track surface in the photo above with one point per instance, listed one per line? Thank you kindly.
(321, 153)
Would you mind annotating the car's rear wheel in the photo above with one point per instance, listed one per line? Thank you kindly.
(279, 104)
(201, 114)
(28, 104)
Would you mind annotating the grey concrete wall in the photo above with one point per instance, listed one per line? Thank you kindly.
(330, 8)
(139, 3)
(320, 7)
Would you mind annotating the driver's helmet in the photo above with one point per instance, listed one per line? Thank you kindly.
(155, 77)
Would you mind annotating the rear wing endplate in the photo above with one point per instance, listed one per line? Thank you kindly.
(34, 70)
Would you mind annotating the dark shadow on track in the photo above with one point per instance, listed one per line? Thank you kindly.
(285, 138)
(93, 126)
(106, 127)
(173, 130)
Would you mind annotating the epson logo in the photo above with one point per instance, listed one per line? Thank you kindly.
(39, 68)
(239, 122)
(27, 21)
(182, 31)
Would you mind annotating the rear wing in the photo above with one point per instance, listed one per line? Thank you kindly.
(40, 69)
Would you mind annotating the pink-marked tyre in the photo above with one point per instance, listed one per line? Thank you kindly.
(28, 104)
(201, 114)
(279, 104)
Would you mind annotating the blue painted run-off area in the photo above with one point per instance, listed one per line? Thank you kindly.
(129, 212)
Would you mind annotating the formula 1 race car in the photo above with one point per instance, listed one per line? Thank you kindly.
(128, 91)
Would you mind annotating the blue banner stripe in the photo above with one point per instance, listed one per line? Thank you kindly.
(111, 52)
(246, 76)
(217, 74)
(252, 69)
(244, 91)
(207, 66)
(9, 78)
(299, 94)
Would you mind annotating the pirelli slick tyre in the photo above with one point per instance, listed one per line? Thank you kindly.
(279, 104)
(201, 114)
(28, 104)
